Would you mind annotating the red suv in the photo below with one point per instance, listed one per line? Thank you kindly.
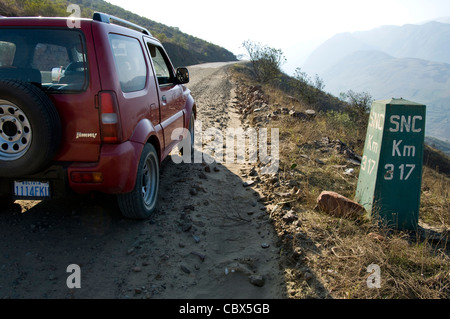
(89, 108)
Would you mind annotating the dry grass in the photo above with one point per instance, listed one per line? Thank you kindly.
(435, 201)
(345, 250)
(328, 257)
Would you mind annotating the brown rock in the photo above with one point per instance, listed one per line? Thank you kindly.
(376, 236)
(289, 217)
(337, 205)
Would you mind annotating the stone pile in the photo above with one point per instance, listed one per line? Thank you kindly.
(250, 99)
(339, 147)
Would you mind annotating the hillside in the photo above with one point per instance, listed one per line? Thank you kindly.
(183, 49)
(411, 61)
(326, 254)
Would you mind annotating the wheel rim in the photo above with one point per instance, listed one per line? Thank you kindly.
(149, 181)
(15, 132)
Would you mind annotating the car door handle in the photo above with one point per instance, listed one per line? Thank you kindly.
(164, 99)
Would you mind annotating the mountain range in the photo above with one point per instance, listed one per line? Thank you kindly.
(410, 61)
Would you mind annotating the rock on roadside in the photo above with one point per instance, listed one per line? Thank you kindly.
(337, 205)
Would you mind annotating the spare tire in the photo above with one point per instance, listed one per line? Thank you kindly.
(30, 129)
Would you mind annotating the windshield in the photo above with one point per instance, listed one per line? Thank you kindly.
(53, 59)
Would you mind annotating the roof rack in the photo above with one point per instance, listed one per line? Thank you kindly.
(106, 18)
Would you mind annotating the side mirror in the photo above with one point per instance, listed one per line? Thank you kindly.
(182, 75)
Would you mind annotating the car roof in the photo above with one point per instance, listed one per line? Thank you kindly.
(37, 21)
(68, 21)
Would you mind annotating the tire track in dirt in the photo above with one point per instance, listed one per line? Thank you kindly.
(229, 225)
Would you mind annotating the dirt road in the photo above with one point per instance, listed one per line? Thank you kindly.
(210, 237)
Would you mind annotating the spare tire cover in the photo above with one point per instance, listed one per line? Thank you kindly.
(30, 129)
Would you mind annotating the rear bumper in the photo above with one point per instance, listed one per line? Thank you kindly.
(117, 166)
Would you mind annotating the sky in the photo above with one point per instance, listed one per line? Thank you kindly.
(295, 27)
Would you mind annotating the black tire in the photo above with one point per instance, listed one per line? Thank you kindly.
(141, 202)
(191, 129)
(30, 129)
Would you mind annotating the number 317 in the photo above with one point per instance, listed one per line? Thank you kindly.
(405, 171)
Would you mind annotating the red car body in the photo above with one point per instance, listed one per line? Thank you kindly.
(98, 157)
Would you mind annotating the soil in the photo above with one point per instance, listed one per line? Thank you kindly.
(210, 237)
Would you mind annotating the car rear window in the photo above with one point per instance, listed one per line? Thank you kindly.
(53, 59)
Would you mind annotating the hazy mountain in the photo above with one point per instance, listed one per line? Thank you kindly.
(332, 51)
(441, 20)
(385, 76)
(411, 61)
(428, 41)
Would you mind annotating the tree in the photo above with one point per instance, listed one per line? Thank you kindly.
(360, 102)
(301, 76)
(308, 89)
(161, 37)
(266, 61)
(303, 85)
(318, 83)
(359, 105)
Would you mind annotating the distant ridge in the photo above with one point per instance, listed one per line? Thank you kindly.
(441, 20)
(410, 61)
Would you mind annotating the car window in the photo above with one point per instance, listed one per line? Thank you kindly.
(162, 67)
(54, 59)
(130, 62)
(7, 52)
(46, 56)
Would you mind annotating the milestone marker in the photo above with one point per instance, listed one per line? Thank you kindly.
(390, 179)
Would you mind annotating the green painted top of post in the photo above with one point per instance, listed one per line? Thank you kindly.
(400, 101)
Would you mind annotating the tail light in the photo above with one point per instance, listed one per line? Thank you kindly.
(110, 127)
(86, 177)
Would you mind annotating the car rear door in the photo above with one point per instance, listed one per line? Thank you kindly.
(170, 94)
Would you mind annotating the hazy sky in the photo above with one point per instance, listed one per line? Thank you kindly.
(295, 27)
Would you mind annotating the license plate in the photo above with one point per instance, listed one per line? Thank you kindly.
(31, 190)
